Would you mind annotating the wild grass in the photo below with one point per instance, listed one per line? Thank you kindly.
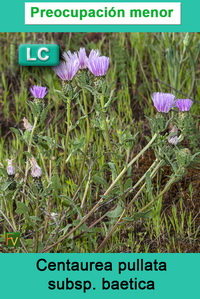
(141, 63)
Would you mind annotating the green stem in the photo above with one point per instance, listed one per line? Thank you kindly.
(46, 218)
(87, 137)
(67, 136)
(168, 185)
(130, 203)
(155, 163)
(43, 163)
(130, 164)
(105, 194)
(108, 142)
(37, 233)
(12, 216)
(142, 178)
(29, 149)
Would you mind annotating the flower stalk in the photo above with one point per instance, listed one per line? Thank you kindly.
(104, 195)
(67, 136)
(168, 185)
(29, 150)
(87, 136)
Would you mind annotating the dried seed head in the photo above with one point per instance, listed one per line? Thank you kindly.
(27, 125)
(174, 129)
(36, 171)
(173, 140)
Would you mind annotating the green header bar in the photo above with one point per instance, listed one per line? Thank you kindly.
(13, 19)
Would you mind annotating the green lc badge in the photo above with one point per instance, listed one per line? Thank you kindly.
(38, 55)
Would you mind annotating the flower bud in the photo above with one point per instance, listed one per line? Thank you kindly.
(173, 138)
(54, 216)
(38, 92)
(38, 184)
(36, 171)
(159, 122)
(10, 168)
(183, 157)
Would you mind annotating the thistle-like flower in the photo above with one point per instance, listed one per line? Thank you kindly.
(98, 65)
(67, 70)
(10, 168)
(69, 56)
(36, 171)
(82, 58)
(38, 92)
(184, 104)
(27, 125)
(94, 54)
(163, 101)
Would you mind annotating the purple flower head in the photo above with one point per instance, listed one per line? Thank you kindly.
(82, 58)
(98, 65)
(67, 70)
(38, 92)
(163, 101)
(94, 54)
(184, 105)
(69, 56)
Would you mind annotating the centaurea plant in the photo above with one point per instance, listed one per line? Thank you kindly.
(163, 103)
(84, 77)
